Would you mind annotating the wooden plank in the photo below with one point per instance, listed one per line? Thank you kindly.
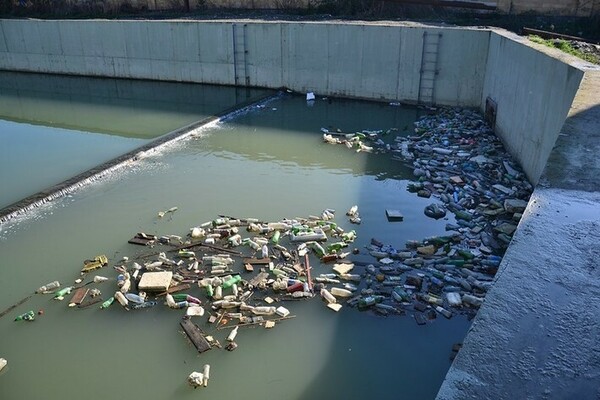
(394, 215)
(195, 335)
(256, 261)
(175, 289)
(89, 302)
(258, 278)
(142, 239)
(79, 296)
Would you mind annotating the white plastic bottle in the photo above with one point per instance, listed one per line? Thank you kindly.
(232, 334)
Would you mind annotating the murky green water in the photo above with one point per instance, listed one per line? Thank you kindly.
(54, 127)
(270, 163)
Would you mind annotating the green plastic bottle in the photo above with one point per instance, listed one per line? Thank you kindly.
(231, 281)
(107, 303)
(28, 316)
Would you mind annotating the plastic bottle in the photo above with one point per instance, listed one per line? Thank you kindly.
(120, 297)
(231, 281)
(218, 293)
(206, 373)
(28, 316)
(232, 334)
(61, 293)
(276, 237)
(265, 251)
(339, 292)
(107, 303)
(263, 310)
(48, 287)
(135, 298)
(318, 249)
(100, 279)
(328, 296)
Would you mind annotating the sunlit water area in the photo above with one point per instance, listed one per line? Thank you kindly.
(269, 163)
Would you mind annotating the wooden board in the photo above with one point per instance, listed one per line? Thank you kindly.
(394, 215)
(175, 289)
(258, 278)
(195, 335)
(79, 296)
(89, 302)
(142, 239)
(256, 261)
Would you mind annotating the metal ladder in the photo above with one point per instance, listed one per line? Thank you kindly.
(240, 62)
(429, 67)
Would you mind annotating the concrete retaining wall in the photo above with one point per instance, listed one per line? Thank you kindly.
(534, 91)
(353, 60)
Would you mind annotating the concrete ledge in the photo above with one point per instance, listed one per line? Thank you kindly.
(537, 334)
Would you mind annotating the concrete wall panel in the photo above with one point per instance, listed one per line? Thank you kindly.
(264, 58)
(160, 40)
(92, 34)
(462, 64)
(534, 92)
(136, 43)
(3, 47)
(215, 43)
(48, 31)
(411, 47)
(344, 56)
(379, 66)
(307, 55)
(113, 44)
(70, 38)
(14, 36)
(185, 42)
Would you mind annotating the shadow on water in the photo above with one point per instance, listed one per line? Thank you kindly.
(130, 108)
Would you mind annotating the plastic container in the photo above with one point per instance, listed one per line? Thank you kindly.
(205, 373)
(28, 316)
(135, 298)
(48, 287)
(120, 297)
(328, 296)
(231, 281)
(263, 310)
(276, 237)
(232, 334)
(339, 292)
(61, 293)
(107, 303)
(100, 279)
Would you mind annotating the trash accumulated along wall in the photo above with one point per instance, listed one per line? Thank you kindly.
(374, 61)
(533, 89)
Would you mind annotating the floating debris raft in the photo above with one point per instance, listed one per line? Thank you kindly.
(458, 161)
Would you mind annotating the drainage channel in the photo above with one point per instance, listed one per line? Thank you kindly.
(94, 174)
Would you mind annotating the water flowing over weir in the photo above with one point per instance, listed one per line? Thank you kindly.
(93, 175)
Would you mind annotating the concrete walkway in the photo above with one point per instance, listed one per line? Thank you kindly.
(537, 336)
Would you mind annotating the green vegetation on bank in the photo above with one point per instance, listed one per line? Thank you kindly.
(567, 47)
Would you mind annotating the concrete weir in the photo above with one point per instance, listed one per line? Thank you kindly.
(536, 334)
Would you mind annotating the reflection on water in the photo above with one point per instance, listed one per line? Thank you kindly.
(267, 164)
(55, 127)
(130, 108)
